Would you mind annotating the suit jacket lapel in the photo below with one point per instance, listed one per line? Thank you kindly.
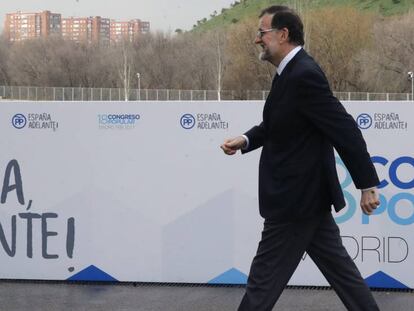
(279, 85)
(270, 97)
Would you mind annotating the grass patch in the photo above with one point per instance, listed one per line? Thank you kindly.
(248, 8)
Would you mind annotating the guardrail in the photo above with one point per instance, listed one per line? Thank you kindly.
(116, 94)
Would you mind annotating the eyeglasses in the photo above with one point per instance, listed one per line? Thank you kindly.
(261, 33)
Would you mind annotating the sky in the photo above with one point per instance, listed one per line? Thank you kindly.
(164, 15)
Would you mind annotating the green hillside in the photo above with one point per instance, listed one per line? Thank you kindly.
(244, 8)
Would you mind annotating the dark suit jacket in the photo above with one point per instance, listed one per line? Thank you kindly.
(302, 122)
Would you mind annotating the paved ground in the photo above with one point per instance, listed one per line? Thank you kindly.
(22, 296)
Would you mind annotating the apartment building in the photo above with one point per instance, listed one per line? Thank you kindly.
(129, 31)
(86, 29)
(22, 26)
(102, 27)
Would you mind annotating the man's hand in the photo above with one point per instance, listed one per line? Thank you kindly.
(231, 145)
(369, 200)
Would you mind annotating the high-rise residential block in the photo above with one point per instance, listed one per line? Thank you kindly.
(86, 29)
(21, 26)
(129, 31)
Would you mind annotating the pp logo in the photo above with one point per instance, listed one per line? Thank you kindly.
(364, 121)
(187, 121)
(19, 121)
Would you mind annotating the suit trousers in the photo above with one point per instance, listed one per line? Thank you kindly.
(281, 249)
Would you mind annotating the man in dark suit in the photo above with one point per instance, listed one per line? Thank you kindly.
(298, 182)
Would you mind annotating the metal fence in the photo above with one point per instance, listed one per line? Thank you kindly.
(106, 94)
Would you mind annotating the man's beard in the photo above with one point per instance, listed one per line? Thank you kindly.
(264, 55)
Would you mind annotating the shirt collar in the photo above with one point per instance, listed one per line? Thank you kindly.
(287, 59)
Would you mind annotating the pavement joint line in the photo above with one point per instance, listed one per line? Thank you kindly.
(171, 284)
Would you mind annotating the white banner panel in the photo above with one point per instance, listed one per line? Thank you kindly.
(141, 191)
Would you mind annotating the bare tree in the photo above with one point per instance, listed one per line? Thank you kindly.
(123, 55)
(302, 8)
(386, 63)
(220, 66)
(244, 70)
(338, 35)
(358, 50)
(4, 55)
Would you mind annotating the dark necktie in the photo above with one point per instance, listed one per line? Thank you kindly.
(275, 80)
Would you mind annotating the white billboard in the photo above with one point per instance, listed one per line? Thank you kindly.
(141, 191)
